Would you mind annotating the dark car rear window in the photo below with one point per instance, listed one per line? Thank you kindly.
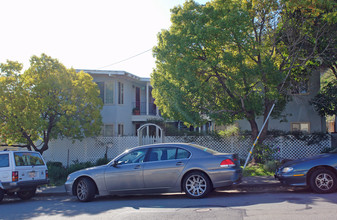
(4, 160)
(205, 149)
(334, 150)
(28, 159)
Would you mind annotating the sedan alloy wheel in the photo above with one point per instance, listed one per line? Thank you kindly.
(85, 190)
(323, 181)
(197, 185)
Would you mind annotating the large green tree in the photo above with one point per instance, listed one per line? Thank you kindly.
(321, 29)
(48, 101)
(325, 102)
(322, 32)
(228, 60)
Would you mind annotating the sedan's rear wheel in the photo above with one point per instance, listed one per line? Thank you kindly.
(85, 190)
(323, 181)
(196, 185)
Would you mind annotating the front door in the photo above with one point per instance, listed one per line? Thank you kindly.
(127, 175)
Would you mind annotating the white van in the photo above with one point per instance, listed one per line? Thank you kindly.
(21, 172)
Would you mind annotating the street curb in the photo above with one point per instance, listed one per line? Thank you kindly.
(261, 188)
(42, 194)
(51, 191)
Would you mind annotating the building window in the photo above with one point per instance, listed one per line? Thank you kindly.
(101, 90)
(108, 131)
(120, 130)
(300, 126)
(106, 91)
(120, 93)
(109, 92)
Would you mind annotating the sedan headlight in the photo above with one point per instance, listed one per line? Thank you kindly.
(287, 169)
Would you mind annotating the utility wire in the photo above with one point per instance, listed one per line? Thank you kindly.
(126, 59)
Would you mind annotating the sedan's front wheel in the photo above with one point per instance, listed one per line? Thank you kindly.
(197, 185)
(85, 190)
(323, 181)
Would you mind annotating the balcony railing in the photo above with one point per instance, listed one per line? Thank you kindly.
(139, 108)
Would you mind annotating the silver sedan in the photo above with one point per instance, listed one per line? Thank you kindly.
(158, 168)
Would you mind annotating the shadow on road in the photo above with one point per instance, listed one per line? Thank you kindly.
(65, 206)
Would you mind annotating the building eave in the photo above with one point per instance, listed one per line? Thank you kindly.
(114, 73)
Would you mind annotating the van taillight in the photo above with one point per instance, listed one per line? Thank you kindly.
(46, 174)
(15, 176)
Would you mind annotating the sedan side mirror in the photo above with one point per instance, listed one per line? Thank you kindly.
(115, 163)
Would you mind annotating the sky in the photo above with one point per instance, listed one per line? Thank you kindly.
(83, 34)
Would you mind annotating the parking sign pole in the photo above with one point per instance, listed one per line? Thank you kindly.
(258, 136)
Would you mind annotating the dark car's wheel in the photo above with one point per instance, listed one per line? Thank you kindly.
(2, 194)
(196, 185)
(323, 181)
(25, 195)
(85, 190)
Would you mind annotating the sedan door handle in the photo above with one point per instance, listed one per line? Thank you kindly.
(179, 163)
(137, 167)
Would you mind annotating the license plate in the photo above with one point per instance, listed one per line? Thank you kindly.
(32, 174)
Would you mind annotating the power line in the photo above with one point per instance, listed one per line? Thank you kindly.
(129, 58)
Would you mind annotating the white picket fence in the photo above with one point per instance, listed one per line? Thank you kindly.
(92, 149)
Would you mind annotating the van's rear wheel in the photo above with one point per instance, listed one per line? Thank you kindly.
(25, 195)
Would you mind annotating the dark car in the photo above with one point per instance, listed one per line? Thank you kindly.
(318, 172)
(194, 169)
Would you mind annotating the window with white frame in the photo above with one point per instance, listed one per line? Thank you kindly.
(120, 130)
(120, 93)
(300, 126)
(101, 90)
(107, 130)
(109, 92)
(106, 91)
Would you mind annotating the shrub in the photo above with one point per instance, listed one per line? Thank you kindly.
(54, 164)
(79, 166)
(57, 173)
(231, 130)
(256, 170)
(263, 153)
(271, 166)
(102, 161)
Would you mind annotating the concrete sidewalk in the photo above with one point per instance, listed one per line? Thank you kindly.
(248, 184)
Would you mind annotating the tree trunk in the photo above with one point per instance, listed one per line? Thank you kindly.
(43, 148)
(265, 129)
(254, 128)
(29, 147)
(255, 132)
